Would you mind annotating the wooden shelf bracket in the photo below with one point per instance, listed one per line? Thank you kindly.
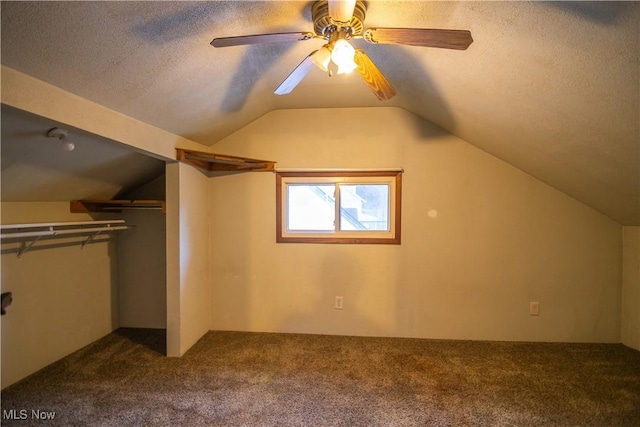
(223, 163)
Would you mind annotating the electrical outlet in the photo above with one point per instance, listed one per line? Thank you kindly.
(338, 303)
(534, 308)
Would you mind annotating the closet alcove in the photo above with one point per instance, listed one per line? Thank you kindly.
(71, 280)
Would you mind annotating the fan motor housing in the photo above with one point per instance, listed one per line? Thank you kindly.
(322, 20)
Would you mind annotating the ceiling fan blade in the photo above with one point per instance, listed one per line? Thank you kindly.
(446, 39)
(296, 76)
(341, 10)
(261, 38)
(373, 76)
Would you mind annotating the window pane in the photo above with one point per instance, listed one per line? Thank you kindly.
(310, 207)
(364, 207)
(345, 207)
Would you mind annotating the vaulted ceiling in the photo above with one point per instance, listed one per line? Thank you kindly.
(550, 87)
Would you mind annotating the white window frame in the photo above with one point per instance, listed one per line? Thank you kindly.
(391, 236)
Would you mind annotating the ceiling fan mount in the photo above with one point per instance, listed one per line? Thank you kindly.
(323, 23)
(337, 22)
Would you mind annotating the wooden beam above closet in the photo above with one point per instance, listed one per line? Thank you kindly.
(224, 163)
(85, 206)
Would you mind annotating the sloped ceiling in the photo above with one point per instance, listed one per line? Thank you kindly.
(550, 87)
(36, 168)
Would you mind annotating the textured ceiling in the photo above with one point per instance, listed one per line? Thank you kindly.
(552, 88)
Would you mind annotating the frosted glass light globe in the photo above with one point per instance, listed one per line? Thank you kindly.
(342, 55)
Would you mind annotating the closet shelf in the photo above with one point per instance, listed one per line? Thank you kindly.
(223, 163)
(85, 206)
(54, 229)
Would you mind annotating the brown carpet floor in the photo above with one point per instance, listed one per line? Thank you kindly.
(251, 379)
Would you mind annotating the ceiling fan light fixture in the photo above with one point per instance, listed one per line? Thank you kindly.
(337, 22)
(342, 55)
(322, 57)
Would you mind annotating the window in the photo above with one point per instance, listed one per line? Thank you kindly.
(338, 207)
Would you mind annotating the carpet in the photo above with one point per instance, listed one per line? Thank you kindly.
(268, 379)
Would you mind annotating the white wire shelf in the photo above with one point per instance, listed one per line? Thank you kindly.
(53, 229)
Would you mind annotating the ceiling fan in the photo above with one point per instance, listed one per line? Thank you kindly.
(337, 22)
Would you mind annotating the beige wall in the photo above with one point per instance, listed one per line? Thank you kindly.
(142, 276)
(481, 240)
(142, 260)
(631, 287)
(188, 283)
(64, 296)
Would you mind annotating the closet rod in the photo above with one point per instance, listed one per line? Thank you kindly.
(60, 232)
(60, 224)
(53, 229)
